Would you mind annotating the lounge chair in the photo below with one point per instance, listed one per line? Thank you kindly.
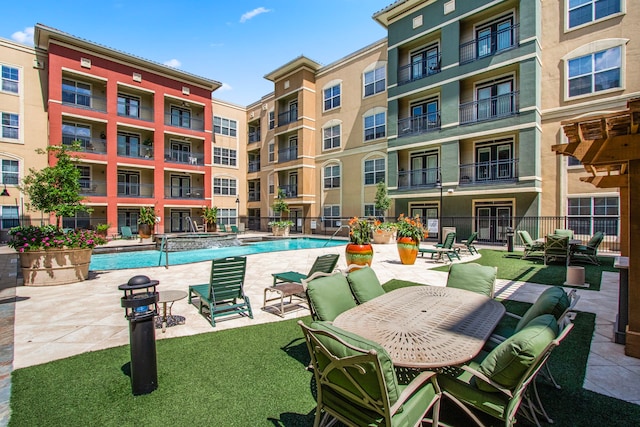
(225, 288)
(324, 263)
(234, 229)
(445, 249)
(222, 228)
(556, 247)
(473, 277)
(468, 244)
(588, 252)
(358, 386)
(530, 246)
(126, 233)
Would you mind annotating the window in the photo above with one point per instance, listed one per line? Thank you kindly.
(271, 185)
(227, 216)
(584, 11)
(332, 176)
(332, 97)
(374, 126)
(128, 106)
(224, 126)
(590, 214)
(224, 156)
(331, 137)
(128, 183)
(9, 217)
(272, 151)
(10, 126)
(9, 79)
(425, 62)
(496, 99)
(76, 93)
(10, 172)
(272, 119)
(129, 145)
(371, 211)
(424, 117)
(331, 215)
(572, 161)
(374, 171)
(85, 177)
(494, 37)
(595, 72)
(76, 132)
(224, 186)
(180, 117)
(375, 81)
(180, 152)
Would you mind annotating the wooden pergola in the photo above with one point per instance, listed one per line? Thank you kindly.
(608, 145)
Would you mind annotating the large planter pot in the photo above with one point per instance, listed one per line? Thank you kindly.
(55, 266)
(144, 231)
(408, 250)
(359, 254)
(383, 237)
(280, 231)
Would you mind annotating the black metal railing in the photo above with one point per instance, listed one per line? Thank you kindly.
(183, 121)
(492, 108)
(418, 178)
(85, 101)
(254, 137)
(290, 191)
(254, 165)
(494, 172)
(489, 45)
(183, 192)
(287, 154)
(254, 196)
(419, 124)
(287, 117)
(89, 145)
(419, 70)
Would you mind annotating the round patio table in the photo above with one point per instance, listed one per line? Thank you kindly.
(169, 297)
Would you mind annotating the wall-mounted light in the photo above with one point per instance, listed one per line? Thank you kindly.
(5, 192)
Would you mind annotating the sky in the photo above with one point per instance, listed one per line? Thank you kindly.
(235, 42)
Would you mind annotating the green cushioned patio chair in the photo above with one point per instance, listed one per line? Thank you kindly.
(498, 384)
(556, 247)
(328, 295)
(324, 263)
(126, 233)
(530, 245)
(473, 277)
(446, 248)
(364, 283)
(563, 232)
(357, 384)
(224, 294)
(588, 252)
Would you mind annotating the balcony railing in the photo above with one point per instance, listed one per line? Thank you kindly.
(136, 151)
(287, 117)
(489, 45)
(290, 191)
(419, 124)
(89, 145)
(90, 187)
(254, 196)
(287, 154)
(133, 112)
(418, 178)
(419, 70)
(182, 121)
(254, 137)
(127, 189)
(494, 172)
(183, 157)
(254, 165)
(492, 108)
(84, 100)
(183, 192)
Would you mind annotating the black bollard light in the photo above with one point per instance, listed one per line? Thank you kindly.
(510, 234)
(139, 301)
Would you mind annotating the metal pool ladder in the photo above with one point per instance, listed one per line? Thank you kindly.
(334, 234)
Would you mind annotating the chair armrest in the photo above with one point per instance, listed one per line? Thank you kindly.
(487, 380)
(414, 386)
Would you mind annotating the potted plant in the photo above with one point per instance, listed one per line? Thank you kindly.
(147, 220)
(148, 143)
(410, 232)
(359, 250)
(102, 229)
(210, 217)
(281, 227)
(383, 232)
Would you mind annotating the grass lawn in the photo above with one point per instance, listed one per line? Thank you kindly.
(511, 267)
(251, 376)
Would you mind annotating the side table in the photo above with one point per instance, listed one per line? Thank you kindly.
(169, 297)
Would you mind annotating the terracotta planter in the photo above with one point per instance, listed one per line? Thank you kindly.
(383, 237)
(280, 231)
(408, 250)
(144, 231)
(55, 266)
(359, 254)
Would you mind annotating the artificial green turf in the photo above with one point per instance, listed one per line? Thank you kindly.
(251, 376)
(511, 267)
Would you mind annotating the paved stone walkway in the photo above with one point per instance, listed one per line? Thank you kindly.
(8, 283)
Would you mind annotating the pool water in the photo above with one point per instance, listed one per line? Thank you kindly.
(142, 259)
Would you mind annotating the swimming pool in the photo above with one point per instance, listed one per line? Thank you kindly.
(141, 259)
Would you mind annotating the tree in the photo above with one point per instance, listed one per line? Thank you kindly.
(55, 189)
(279, 205)
(382, 200)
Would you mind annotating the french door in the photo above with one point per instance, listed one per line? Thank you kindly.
(492, 222)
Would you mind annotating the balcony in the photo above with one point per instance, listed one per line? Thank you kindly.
(290, 191)
(183, 157)
(135, 151)
(134, 111)
(90, 187)
(254, 165)
(88, 145)
(254, 196)
(419, 124)
(492, 44)
(287, 117)
(493, 108)
(183, 192)
(287, 154)
(128, 189)
(184, 121)
(419, 70)
(254, 137)
(84, 100)
(418, 179)
(494, 172)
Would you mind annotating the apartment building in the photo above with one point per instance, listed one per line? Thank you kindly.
(144, 129)
(24, 127)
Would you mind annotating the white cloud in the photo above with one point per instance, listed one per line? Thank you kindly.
(24, 37)
(173, 63)
(225, 86)
(253, 13)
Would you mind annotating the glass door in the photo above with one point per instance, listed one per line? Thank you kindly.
(424, 169)
(180, 186)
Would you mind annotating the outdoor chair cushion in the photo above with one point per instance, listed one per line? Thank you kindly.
(563, 232)
(388, 372)
(364, 284)
(472, 277)
(330, 296)
(507, 363)
(553, 301)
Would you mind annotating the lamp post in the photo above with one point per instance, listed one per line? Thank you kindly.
(238, 210)
(439, 185)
